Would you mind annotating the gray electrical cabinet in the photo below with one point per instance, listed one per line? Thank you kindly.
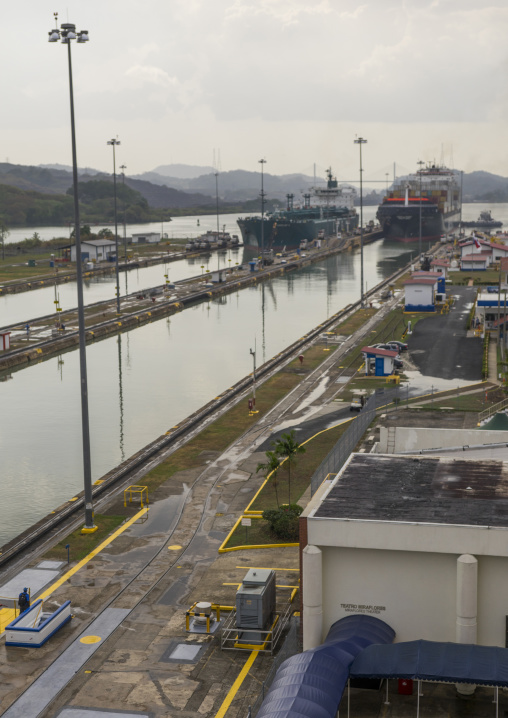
(255, 604)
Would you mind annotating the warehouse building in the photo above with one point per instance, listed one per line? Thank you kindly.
(419, 542)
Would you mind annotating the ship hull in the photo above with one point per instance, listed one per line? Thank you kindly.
(287, 232)
(402, 224)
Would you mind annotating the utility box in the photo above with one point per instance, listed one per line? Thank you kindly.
(255, 605)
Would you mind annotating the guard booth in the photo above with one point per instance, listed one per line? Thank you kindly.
(381, 360)
(5, 341)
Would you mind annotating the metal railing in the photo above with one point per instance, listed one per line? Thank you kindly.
(266, 641)
(494, 409)
(339, 454)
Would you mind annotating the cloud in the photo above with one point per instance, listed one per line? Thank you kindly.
(149, 75)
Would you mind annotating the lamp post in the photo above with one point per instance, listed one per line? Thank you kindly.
(253, 354)
(123, 168)
(360, 141)
(114, 143)
(262, 195)
(66, 34)
(420, 163)
(217, 207)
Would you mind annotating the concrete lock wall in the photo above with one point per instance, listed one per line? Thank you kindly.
(414, 593)
(407, 439)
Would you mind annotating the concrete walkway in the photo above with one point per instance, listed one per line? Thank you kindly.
(493, 375)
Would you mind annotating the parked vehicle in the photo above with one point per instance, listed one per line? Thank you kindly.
(357, 402)
(390, 346)
(398, 364)
(402, 346)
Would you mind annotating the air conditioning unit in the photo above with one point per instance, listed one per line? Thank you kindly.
(255, 604)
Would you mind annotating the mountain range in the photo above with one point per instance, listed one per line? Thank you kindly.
(180, 187)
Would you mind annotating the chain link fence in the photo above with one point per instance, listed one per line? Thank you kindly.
(338, 456)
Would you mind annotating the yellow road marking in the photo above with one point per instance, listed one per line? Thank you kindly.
(174, 547)
(6, 616)
(93, 553)
(90, 639)
(236, 685)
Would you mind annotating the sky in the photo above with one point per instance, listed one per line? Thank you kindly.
(290, 81)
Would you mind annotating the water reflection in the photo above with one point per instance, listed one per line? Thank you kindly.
(147, 380)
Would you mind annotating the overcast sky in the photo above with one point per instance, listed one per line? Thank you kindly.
(293, 81)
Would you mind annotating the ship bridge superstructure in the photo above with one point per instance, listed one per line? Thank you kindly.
(332, 194)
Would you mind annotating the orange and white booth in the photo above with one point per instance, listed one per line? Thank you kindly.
(5, 341)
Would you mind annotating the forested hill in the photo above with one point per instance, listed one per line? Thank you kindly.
(29, 208)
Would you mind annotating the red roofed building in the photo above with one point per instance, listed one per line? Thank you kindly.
(382, 359)
(478, 261)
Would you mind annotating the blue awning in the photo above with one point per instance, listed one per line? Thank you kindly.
(310, 684)
(433, 661)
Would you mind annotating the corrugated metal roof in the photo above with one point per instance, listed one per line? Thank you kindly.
(379, 352)
(480, 257)
(422, 280)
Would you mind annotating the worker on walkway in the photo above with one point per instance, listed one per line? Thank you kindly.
(24, 600)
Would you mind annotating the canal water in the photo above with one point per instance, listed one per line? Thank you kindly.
(188, 227)
(147, 380)
(40, 301)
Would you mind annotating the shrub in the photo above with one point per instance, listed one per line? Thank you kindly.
(284, 521)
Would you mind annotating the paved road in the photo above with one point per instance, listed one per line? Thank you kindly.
(439, 346)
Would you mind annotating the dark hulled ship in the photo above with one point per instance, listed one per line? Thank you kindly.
(430, 196)
(326, 211)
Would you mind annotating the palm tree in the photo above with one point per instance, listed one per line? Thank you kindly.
(289, 448)
(270, 468)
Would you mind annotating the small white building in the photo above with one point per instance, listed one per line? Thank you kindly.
(146, 238)
(420, 543)
(494, 250)
(491, 308)
(94, 249)
(442, 266)
(420, 292)
(477, 262)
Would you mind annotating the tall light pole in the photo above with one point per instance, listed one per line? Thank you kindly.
(262, 195)
(114, 143)
(123, 168)
(66, 34)
(217, 207)
(253, 354)
(360, 141)
(420, 163)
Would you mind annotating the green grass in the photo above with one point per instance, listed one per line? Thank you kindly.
(392, 327)
(257, 534)
(222, 432)
(82, 544)
(489, 276)
(355, 321)
(469, 402)
(301, 472)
